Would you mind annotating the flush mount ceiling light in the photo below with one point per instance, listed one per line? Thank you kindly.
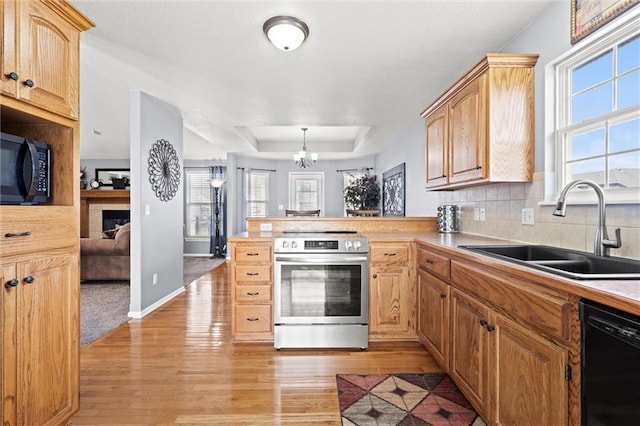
(302, 158)
(285, 32)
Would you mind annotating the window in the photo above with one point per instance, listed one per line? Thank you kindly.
(197, 203)
(306, 191)
(258, 194)
(597, 133)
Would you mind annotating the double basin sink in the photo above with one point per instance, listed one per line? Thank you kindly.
(568, 263)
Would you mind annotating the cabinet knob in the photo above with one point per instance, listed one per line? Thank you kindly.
(490, 328)
(12, 283)
(483, 322)
(29, 83)
(443, 296)
(13, 76)
(375, 275)
(478, 167)
(30, 279)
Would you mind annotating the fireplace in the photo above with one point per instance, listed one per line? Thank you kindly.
(111, 218)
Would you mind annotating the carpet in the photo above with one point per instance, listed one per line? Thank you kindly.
(104, 305)
(403, 399)
(197, 266)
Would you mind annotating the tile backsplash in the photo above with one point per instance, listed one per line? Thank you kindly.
(503, 204)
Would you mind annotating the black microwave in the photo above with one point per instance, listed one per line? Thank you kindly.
(25, 170)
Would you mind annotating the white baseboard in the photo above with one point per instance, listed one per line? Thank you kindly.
(149, 309)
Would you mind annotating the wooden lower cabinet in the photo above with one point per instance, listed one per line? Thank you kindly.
(469, 357)
(252, 284)
(392, 294)
(433, 316)
(510, 374)
(40, 321)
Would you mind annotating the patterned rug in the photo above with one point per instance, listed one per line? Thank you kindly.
(403, 399)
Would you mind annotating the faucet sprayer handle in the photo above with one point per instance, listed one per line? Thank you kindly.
(617, 243)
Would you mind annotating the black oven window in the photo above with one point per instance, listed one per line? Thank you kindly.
(320, 290)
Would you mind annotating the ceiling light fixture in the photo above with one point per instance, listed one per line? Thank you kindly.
(285, 32)
(302, 158)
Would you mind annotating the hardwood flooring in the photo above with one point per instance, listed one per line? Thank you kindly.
(179, 365)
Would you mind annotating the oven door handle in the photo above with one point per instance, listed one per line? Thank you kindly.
(332, 260)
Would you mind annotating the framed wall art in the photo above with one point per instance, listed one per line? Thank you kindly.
(589, 15)
(393, 191)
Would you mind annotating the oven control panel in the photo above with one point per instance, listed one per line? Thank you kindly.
(321, 245)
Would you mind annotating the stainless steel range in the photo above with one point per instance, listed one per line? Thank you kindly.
(321, 291)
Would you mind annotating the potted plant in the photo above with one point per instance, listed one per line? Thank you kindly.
(362, 195)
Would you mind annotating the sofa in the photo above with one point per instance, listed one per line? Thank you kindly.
(106, 258)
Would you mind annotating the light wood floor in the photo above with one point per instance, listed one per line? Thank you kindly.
(179, 365)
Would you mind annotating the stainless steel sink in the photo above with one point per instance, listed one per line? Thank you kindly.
(569, 263)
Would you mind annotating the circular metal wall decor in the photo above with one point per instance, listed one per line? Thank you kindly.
(164, 170)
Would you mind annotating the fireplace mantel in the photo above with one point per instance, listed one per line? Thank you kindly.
(98, 196)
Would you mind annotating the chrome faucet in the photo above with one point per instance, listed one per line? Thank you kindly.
(602, 243)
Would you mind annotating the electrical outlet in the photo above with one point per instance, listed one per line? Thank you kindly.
(155, 279)
(476, 214)
(527, 217)
(482, 214)
(266, 227)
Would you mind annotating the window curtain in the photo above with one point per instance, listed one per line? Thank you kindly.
(219, 172)
(246, 190)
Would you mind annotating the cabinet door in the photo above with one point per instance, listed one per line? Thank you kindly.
(389, 299)
(47, 340)
(436, 130)
(8, 62)
(49, 58)
(433, 313)
(8, 348)
(469, 349)
(529, 376)
(467, 133)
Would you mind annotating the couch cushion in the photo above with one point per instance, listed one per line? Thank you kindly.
(109, 233)
(122, 240)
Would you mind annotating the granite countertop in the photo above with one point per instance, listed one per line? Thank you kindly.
(622, 294)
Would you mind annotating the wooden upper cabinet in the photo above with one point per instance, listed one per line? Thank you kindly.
(40, 63)
(482, 128)
(437, 157)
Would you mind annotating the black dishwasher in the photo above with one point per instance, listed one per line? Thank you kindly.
(610, 366)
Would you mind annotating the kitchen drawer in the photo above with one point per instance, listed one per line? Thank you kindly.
(258, 253)
(389, 254)
(253, 319)
(253, 293)
(35, 232)
(252, 273)
(434, 263)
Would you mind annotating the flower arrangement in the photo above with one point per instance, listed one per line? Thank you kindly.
(362, 193)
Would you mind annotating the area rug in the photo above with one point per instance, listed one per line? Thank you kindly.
(197, 266)
(104, 305)
(403, 399)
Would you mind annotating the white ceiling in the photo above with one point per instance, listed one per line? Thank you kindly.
(365, 73)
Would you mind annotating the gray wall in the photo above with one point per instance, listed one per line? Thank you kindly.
(157, 237)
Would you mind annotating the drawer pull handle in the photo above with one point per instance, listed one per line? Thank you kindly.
(30, 279)
(253, 274)
(389, 254)
(255, 293)
(253, 319)
(12, 283)
(443, 296)
(253, 254)
(17, 234)
(483, 322)
(429, 261)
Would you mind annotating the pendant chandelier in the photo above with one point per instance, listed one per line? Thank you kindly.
(304, 159)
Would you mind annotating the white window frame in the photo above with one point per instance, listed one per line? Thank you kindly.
(294, 177)
(207, 174)
(266, 176)
(558, 83)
